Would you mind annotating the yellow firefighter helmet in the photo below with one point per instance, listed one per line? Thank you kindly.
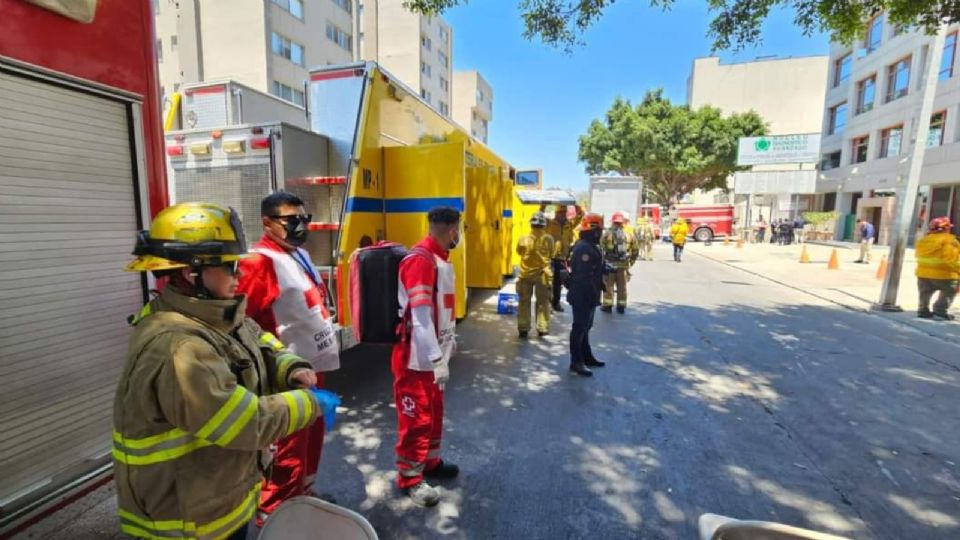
(189, 234)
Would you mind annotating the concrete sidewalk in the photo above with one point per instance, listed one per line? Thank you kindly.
(854, 286)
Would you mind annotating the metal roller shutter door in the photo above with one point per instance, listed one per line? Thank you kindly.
(68, 218)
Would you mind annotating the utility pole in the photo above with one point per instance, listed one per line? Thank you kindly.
(908, 199)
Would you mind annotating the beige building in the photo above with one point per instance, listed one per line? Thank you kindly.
(415, 48)
(787, 92)
(473, 103)
(267, 45)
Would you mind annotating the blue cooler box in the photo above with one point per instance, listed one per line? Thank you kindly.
(507, 303)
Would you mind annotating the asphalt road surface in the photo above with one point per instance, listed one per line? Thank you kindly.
(724, 393)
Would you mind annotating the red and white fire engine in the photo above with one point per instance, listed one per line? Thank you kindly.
(705, 221)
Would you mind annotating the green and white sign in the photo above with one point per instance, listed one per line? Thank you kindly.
(774, 149)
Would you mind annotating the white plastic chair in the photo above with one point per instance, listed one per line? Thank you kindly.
(715, 527)
(308, 518)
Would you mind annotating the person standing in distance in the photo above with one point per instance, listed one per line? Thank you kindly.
(562, 230)
(421, 359)
(536, 276)
(583, 293)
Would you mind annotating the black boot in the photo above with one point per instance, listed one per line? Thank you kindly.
(593, 362)
(925, 314)
(607, 309)
(558, 308)
(443, 470)
(581, 370)
(523, 334)
(621, 309)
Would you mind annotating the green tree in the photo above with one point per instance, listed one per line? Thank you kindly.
(674, 148)
(736, 23)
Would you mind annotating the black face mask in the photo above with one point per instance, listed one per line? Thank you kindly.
(592, 236)
(296, 232)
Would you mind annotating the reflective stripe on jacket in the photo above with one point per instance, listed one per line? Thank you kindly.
(203, 393)
(938, 256)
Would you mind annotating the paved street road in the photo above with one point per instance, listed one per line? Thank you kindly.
(724, 393)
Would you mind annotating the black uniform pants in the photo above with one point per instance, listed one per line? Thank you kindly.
(559, 272)
(947, 289)
(580, 350)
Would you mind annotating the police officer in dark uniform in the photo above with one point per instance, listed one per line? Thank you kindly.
(583, 293)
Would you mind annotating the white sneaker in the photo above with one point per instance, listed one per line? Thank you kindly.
(423, 494)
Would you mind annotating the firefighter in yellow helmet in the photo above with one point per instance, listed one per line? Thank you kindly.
(938, 269)
(619, 251)
(536, 276)
(644, 236)
(204, 391)
(678, 235)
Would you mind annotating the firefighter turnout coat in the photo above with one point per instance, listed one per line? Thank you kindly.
(203, 393)
(938, 256)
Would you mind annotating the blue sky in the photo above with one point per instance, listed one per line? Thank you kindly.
(544, 99)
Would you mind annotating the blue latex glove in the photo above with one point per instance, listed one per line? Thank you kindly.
(328, 402)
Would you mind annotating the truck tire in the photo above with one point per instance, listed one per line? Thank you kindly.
(703, 234)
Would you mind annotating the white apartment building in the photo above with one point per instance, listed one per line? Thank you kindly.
(473, 103)
(870, 118)
(787, 92)
(268, 45)
(415, 48)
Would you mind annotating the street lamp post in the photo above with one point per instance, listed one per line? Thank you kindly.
(905, 211)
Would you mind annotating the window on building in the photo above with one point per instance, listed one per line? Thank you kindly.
(425, 94)
(841, 69)
(346, 5)
(426, 42)
(288, 93)
(949, 53)
(859, 147)
(890, 141)
(838, 119)
(338, 36)
(173, 43)
(444, 84)
(874, 34)
(294, 7)
(898, 79)
(444, 35)
(866, 94)
(444, 108)
(830, 161)
(938, 122)
(444, 61)
(159, 50)
(288, 49)
(425, 69)
(480, 96)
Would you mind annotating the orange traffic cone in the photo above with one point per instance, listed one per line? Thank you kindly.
(804, 256)
(834, 263)
(882, 269)
(740, 243)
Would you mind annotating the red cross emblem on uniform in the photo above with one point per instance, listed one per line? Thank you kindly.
(450, 302)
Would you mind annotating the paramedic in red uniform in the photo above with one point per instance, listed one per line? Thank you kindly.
(421, 359)
(286, 296)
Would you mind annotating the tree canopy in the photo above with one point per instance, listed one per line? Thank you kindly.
(674, 148)
(735, 24)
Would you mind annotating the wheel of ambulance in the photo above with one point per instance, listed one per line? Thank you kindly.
(703, 234)
(309, 518)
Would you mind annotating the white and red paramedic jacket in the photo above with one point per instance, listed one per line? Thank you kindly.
(427, 291)
(286, 296)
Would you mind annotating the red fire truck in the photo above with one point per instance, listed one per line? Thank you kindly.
(81, 170)
(705, 221)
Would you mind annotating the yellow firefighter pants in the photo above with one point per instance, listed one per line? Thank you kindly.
(618, 279)
(527, 288)
(646, 250)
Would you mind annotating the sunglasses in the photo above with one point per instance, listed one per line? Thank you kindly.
(231, 267)
(295, 219)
